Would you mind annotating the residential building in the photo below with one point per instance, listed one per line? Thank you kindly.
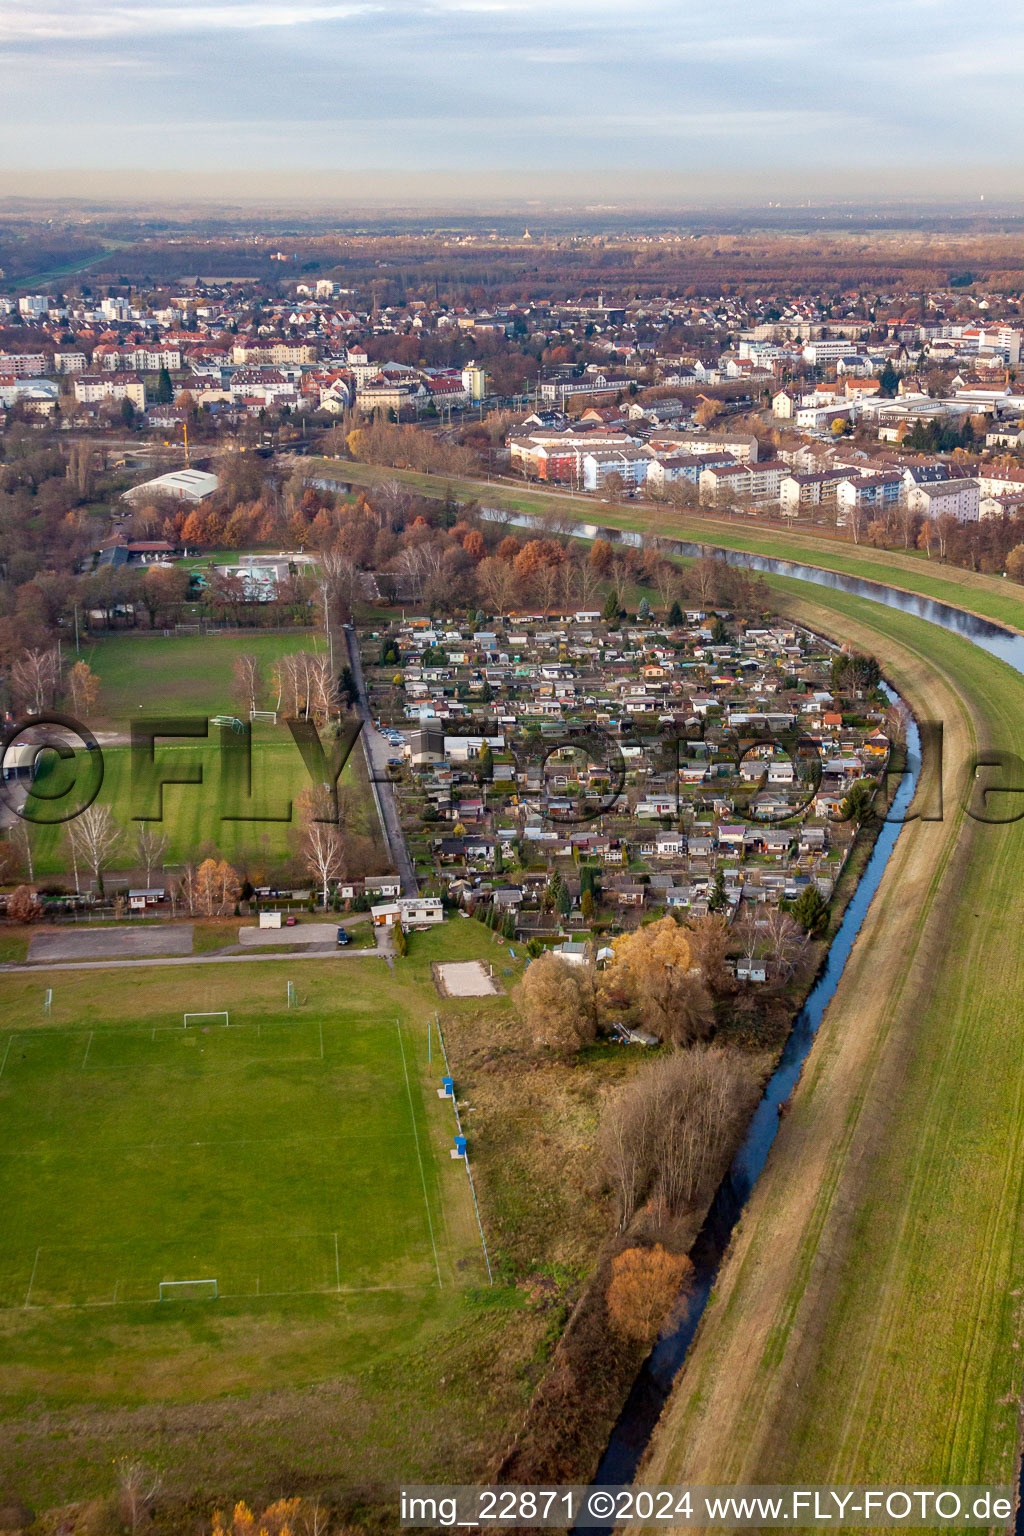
(93, 388)
(954, 498)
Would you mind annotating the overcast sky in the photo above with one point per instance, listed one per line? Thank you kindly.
(497, 90)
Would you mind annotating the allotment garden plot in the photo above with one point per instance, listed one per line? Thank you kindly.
(282, 1153)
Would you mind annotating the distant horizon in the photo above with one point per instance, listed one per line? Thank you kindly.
(511, 194)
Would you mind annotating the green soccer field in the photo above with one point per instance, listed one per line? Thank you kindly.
(284, 1153)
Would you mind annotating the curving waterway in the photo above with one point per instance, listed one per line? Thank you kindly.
(631, 1435)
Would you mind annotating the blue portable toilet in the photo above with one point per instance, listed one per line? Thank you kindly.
(460, 1146)
(448, 1084)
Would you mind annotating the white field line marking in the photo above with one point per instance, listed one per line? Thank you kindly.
(32, 1279)
(88, 1044)
(346, 1290)
(419, 1154)
(4, 1062)
(337, 1266)
(320, 1022)
(343, 1138)
(276, 1061)
(138, 1032)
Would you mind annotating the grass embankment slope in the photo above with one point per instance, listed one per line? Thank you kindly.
(866, 1324)
(139, 1152)
(990, 596)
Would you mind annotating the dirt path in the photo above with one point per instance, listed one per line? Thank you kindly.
(772, 1372)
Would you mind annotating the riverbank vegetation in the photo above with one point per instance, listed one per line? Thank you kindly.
(903, 1130)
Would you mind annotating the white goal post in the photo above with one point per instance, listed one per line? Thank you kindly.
(263, 714)
(195, 1290)
(220, 1014)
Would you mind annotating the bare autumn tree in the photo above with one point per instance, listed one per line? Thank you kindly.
(545, 583)
(340, 584)
(587, 582)
(666, 1136)
(323, 853)
(644, 1284)
(897, 719)
(496, 584)
(703, 580)
(786, 941)
(137, 1487)
(95, 838)
(21, 841)
(80, 468)
(322, 693)
(622, 580)
(569, 582)
(667, 581)
(303, 684)
(35, 678)
(150, 847)
(9, 862)
(247, 681)
(185, 890)
(708, 940)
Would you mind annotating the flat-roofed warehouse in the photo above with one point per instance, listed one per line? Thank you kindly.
(182, 484)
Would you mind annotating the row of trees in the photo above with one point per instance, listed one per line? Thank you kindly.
(39, 678)
(94, 841)
(300, 685)
(664, 977)
(664, 1136)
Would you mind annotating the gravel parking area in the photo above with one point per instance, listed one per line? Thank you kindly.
(302, 933)
(112, 943)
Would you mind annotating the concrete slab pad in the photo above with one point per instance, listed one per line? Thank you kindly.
(466, 978)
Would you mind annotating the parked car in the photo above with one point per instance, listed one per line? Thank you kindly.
(290, 920)
(344, 937)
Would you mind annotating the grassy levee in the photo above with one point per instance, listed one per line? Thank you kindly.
(866, 1322)
(990, 596)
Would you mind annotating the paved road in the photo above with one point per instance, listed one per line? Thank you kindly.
(377, 750)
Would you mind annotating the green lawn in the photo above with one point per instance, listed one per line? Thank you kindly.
(181, 674)
(279, 1153)
(196, 816)
(299, 1157)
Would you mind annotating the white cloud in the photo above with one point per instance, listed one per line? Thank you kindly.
(52, 23)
